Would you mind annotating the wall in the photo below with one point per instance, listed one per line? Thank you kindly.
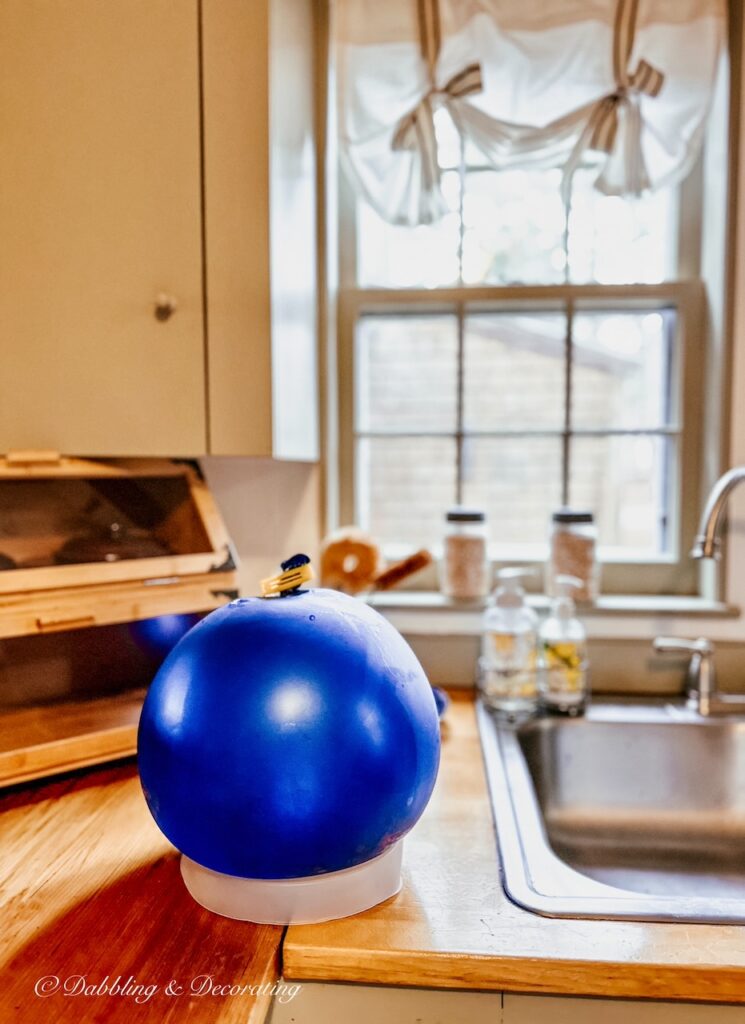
(616, 665)
(736, 562)
(729, 383)
(271, 509)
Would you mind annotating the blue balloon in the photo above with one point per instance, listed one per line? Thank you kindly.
(288, 737)
(156, 637)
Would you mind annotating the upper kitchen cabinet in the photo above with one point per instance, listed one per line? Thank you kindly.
(101, 228)
(157, 190)
(260, 234)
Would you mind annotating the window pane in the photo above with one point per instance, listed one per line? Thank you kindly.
(621, 369)
(517, 481)
(391, 256)
(514, 233)
(449, 144)
(513, 228)
(514, 371)
(404, 486)
(625, 482)
(406, 373)
(621, 241)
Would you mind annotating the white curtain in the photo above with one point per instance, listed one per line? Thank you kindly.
(623, 85)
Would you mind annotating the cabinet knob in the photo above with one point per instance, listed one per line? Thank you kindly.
(165, 306)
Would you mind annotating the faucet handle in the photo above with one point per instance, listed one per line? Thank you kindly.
(678, 645)
(701, 682)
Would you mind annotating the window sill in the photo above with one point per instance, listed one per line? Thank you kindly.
(429, 613)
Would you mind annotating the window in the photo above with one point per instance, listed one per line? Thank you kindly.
(505, 358)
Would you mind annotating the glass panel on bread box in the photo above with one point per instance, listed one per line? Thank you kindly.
(74, 521)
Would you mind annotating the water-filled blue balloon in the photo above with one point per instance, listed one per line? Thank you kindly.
(288, 737)
(157, 636)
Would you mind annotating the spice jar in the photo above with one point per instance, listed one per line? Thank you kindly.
(573, 552)
(464, 571)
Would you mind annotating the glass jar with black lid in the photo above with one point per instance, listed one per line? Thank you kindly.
(464, 570)
(573, 552)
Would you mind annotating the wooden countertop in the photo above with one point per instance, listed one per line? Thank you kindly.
(91, 888)
(452, 926)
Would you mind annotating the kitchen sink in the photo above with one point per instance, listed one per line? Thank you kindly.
(632, 811)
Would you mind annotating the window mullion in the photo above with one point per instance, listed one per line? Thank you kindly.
(567, 431)
(460, 314)
(459, 426)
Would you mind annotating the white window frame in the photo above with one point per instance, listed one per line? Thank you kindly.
(668, 574)
(663, 574)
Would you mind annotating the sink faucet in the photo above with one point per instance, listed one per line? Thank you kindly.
(701, 680)
(707, 542)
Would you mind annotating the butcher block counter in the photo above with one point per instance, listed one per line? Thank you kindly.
(94, 915)
(92, 890)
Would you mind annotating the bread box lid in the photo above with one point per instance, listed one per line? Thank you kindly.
(86, 542)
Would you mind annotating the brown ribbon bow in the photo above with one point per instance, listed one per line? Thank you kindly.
(645, 80)
(415, 131)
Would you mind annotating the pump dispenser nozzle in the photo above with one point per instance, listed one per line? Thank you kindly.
(563, 603)
(566, 584)
(509, 593)
(516, 572)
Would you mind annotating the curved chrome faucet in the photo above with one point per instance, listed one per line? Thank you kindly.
(707, 543)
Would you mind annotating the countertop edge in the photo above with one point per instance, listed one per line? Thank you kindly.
(701, 983)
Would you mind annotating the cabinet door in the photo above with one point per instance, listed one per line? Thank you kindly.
(99, 214)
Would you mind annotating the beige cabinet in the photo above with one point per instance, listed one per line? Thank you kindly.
(526, 1009)
(316, 1003)
(139, 310)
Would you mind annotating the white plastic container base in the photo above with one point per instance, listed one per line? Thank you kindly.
(307, 900)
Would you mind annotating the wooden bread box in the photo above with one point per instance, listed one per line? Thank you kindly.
(89, 549)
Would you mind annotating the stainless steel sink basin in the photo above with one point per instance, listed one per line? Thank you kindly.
(634, 811)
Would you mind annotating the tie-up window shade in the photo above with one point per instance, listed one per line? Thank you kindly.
(620, 87)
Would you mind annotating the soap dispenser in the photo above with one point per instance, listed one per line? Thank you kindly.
(563, 675)
(508, 667)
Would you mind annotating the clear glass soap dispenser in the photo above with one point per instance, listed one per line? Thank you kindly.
(563, 675)
(508, 670)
